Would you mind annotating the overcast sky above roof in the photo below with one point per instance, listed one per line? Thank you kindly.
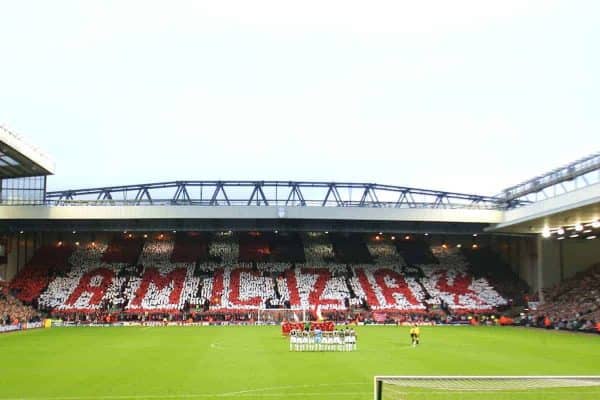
(468, 96)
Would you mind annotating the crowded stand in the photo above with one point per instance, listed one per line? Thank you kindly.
(84, 286)
(157, 251)
(214, 280)
(318, 250)
(451, 284)
(387, 289)
(13, 311)
(272, 267)
(384, 253)
(47, 263)
(224, 249)
(573, 304)
(316, 287)
(162, 288)
(483, 262)
(248, 289)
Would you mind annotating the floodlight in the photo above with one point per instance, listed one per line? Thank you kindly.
(546, 233)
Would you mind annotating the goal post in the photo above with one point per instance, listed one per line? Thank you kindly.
(494, 387)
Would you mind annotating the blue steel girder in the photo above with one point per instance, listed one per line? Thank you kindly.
(220, 188)
(336, 196)
(258, 195)
(569, 173)
(295, 194)
(371, 194)
(142, 192)
(441, 198)
(104, 195)
(407, 198)
(181, 194)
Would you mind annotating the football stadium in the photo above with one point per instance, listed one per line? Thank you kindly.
(275, 289)
(389, 200)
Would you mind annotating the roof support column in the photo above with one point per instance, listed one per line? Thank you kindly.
(540, 269)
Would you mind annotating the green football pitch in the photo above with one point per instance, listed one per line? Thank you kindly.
(255, 362)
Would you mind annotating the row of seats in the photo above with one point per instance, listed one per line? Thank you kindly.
(450, 283)
(577, 298)
(13, 311)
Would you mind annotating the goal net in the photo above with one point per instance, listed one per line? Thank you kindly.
(487, 387)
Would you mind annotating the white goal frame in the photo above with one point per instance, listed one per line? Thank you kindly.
(509, 382)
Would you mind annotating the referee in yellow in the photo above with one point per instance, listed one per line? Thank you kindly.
(415, 333)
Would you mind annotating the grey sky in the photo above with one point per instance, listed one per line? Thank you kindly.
(466, 96)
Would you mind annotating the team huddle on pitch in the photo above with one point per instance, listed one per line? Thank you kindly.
(338, 340)
(318, 340)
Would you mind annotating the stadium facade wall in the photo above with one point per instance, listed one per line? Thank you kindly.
(459, 215)
(20, 250)
(562, 259)
(520, 254)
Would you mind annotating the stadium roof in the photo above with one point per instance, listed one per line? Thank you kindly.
(573, 176)
(274, 193)
(563, 197)
(20, 159)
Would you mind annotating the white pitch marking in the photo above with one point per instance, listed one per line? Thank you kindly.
(243, 393)
(187, 396)
(250, 395)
